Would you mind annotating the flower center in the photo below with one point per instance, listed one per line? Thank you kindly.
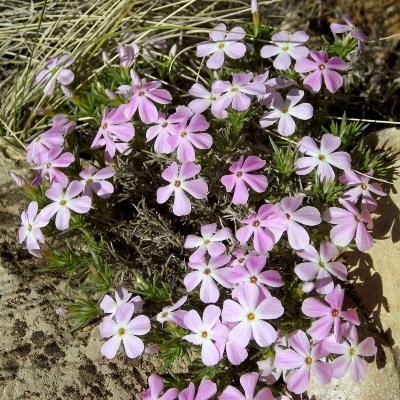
(256, 223)
(164, 124)
(285, 109)
(221, 45)
(357, 218)
(363, 186)
(321, 264)
(63, 202)
(352, 351)
(285, 47)
(48, 165)
(287, 216)
(308, 360)
(250, 316)
(253, 279)
(204, 334)
(234, 89)
(239, 174)
(213, 97)
(241, 260)
(207, 271)
(177, 183)
(321, 67)
(164, 314)
(183, 134)
(29, 227)
(121, 331)
(104, 126)
(206, 241)
(335, 312)
(141, 93)
(89, 180)
(322, 157)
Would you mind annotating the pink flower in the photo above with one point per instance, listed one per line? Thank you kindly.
(127, 54)
(250, 316)
(17, 178)
(55, 71)
(355, 32)
(286, 46)
(363, 188)
(283, 111)
(187, 137)
(303, 358)
(143, 95)
(223, 42)
(248, 382)
(330, 315)
(63, 202)
(321, 158)
(205, 100)
(164, 129)
(30, 227)
(50, 164)
(241, 256)
(122, 296)
(121, 328)
(207, 273)
(156, 386)
(114, 132)
(253, 274)
(240, 176)
(207, 389)
(322, 67)
(351, 353)
(349, 223)
(208, 242)
(267, 226)
(320, 265)
(237, 93)
(171, 313)
(310, 216)
(271, 86)
(178, 184)
(206, 332)
(94, 180)
(235, 352)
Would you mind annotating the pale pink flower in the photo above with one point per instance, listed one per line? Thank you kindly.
(250, 315)
(122, 296)
(223, 42)
(186, 137)
(298, 237)
(207, 332)
(286, 46)
(241, 256)
(30, 227)
(50, 164)
(171, 313)
(271, 87)
(322, 157)
(303, 358)
(235, 352)
(55, 71)
(248, 382)
(285, 110)
(64, 202)
(17, 178)
(164, 129)
(237, 94)
(320, 265)
(330, 315)
(241, 176)
(351, 352)
(156, 387)
(115, 129)
(207, 389)
(127, 54)
(363, 188)
(253, 274)
(209, 242)
(94, 180)
(349, 223)
(321, 67)
(355, 32)
(267, 226)
(121, 328)
(179, 184)
(207, 273)
(205, 99)
(143, 94)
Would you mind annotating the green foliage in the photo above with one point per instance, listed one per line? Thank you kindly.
(348, 131)
(82, 311)
(341, 47)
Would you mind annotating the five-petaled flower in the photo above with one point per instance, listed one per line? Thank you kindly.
(355, 32)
